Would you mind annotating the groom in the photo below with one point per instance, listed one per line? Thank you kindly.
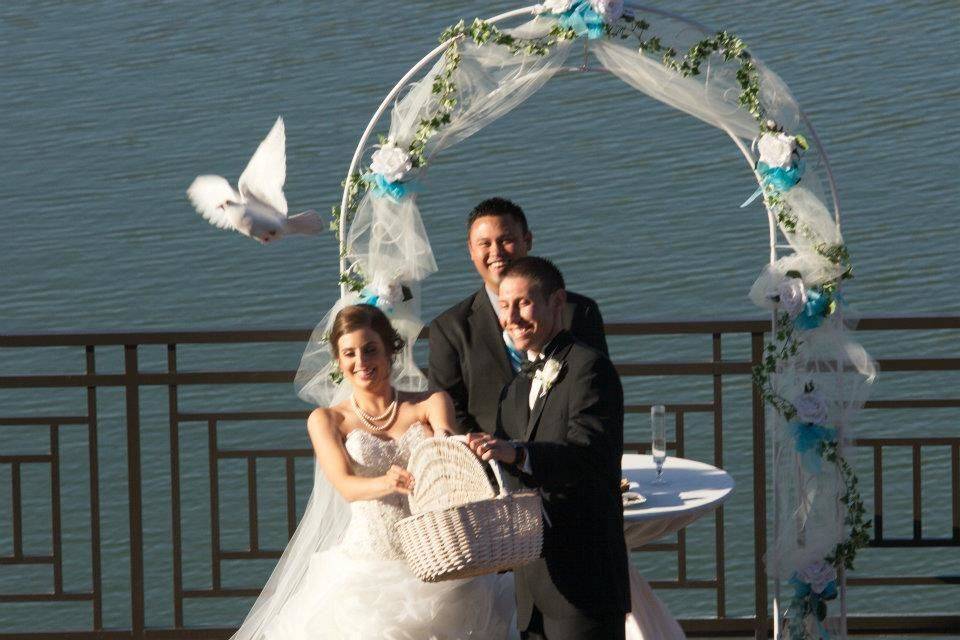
(470, 358)
(560, 430)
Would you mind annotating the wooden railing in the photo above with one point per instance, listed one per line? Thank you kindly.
(88, 384)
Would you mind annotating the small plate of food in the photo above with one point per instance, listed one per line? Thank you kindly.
(632, 498)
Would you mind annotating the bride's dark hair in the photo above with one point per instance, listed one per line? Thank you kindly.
(365, 316)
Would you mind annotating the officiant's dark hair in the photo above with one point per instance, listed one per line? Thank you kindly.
(540, 272)
(365, 316)
(498, 207)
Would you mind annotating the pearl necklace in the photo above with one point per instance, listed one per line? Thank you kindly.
(371, 421)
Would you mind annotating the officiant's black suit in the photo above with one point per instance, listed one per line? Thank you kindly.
(574, 444)
(468, 359)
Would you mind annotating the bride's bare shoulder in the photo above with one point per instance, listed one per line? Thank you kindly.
(325, 420)
(425, 399)
(433, 408)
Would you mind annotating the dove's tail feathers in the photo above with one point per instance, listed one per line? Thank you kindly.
(308, 223)
(212, 197)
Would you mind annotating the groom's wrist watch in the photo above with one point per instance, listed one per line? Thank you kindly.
(520, 454)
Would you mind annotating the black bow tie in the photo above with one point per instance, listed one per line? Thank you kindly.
(529, 368)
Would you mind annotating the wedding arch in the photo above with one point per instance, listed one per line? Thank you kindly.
(814, 375)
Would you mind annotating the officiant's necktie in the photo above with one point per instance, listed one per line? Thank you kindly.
(517, 358)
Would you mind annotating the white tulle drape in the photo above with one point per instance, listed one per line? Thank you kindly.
(323, 523)
(810, 515)
(387, 244)
(714, 102)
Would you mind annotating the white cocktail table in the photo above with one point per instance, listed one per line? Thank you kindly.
(692, 490)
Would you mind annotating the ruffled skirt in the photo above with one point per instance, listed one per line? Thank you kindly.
(343, 597)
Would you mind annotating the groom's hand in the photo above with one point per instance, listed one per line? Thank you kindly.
(489, 448)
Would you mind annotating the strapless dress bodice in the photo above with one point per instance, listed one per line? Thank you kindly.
(371, 528)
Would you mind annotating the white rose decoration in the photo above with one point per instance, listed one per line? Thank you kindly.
(553, 6)
(793, 296)
(391, 162)
(776, 149)
(609, 10)
(548, 375)
(818, 575)
(389, 293)
(811, 408)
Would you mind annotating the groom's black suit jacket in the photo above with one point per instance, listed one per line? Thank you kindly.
(574, 441)
(468, 359)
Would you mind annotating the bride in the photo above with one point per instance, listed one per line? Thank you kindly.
(342, 575)
(360, 587)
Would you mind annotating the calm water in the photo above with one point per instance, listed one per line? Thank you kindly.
(111, 108)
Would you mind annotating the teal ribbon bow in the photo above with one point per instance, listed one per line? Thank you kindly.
(584, 20)
(369, 298)
(373, 299)
(380, 187)
(777, 177)
(814, 311)
(807, 438)
(807, 601)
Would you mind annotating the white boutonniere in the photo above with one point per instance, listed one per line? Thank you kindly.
(548, 375)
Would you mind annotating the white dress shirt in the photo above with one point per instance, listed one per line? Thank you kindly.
(537, 381)
(535, 385)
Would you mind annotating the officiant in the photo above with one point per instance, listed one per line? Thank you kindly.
(471, 357)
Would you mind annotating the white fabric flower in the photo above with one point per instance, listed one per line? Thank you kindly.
(818, 575)
(776, 149)
(548, 374)
(793, 296)
(609, 10)
(391, 162)
(553, 6)
(811, 408)
(389, 293)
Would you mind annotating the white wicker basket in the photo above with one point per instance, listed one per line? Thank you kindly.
(459, 528)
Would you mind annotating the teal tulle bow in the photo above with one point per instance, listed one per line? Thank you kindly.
(777, 177)
(374, 299)
(380, 188)
(584, 21)
(814, 311)
(807, 438)
(781, 179)
(369, 298)
(803, 591)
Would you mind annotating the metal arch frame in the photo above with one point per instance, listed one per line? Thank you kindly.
(529, 10)
(391, 96)
(744, 150)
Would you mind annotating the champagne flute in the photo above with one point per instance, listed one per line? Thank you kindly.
(658, 424)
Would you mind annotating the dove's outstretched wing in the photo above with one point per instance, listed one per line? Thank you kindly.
(214, 199)
(267, 170)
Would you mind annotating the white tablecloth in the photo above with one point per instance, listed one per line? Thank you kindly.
(693, 489)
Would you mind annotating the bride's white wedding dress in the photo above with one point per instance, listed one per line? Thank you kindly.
(361, 588)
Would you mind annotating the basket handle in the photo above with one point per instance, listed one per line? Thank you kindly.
(502, 489)
(498, 474)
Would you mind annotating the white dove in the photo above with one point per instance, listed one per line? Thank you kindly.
(259, 210)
